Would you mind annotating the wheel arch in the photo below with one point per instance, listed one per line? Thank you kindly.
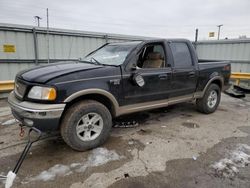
(99, 95)
(218, 80)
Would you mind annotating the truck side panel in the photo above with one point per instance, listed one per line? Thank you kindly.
(208, 70)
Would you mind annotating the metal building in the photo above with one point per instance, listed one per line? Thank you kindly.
(237, 51)
(22, 47)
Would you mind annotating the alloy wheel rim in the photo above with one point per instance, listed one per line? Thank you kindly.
(212, 99)
(89, 127)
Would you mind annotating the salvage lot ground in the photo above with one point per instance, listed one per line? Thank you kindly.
(170, 147)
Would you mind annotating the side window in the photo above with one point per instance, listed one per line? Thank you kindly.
(181, 54)
(152, 56)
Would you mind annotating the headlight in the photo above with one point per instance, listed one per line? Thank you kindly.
(42, 93)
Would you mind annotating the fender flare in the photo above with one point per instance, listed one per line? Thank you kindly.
(105, 93)
(215, 78)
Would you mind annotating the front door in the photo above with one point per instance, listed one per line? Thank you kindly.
(153, 68)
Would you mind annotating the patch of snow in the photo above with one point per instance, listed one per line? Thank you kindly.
(9, 122)
(74, 165)
(228, 167)
(51, 173)
(4, 111)
(130, 143)
(242, 105)
(101, 156)
(3, 178)
(244, 147)
(82, 168)
(98, 156)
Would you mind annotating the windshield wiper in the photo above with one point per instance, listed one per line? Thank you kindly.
(95, 61)
(98, 63)
(90, 62)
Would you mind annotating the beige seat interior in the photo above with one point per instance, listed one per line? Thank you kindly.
(154, 60)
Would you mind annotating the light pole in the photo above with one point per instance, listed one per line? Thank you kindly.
(38, 20)
(196, 37)
(219, 26)
(47, 15)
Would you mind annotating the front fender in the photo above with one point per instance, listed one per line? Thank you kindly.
(102, 92)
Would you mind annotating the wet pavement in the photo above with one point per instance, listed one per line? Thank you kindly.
(168, 147)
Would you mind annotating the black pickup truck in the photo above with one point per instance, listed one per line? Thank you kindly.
(80, 98)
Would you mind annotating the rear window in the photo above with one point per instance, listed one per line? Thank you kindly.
(181, 54)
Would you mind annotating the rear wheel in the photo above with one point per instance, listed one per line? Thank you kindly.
(210, 101)
(86, 125)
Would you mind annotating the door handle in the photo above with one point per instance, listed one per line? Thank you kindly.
(163, 76)
(191, 74)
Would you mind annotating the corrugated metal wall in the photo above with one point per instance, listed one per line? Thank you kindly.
(9, 70)
(31, 46)
(23, 42)
(237, 51)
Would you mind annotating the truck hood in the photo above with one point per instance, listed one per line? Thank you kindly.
(43, 74)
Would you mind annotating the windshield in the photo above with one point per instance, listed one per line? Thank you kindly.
(112, 54)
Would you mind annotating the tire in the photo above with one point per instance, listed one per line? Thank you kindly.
(210, 100)
(86, 125)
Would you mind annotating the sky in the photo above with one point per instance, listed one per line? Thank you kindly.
(158, 18)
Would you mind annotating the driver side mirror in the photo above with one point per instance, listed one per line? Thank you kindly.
(138, 80)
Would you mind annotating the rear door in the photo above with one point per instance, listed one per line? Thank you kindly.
(184, 71)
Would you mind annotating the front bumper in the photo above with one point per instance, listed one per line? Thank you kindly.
(45, 117)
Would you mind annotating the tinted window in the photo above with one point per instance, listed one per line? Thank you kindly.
(181, 53)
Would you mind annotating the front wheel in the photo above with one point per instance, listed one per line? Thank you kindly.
(86, 125)
(210, 101)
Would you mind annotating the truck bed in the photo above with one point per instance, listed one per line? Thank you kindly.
(212, 64)
(221, 68)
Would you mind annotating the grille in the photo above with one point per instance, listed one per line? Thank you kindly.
(20, 89)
